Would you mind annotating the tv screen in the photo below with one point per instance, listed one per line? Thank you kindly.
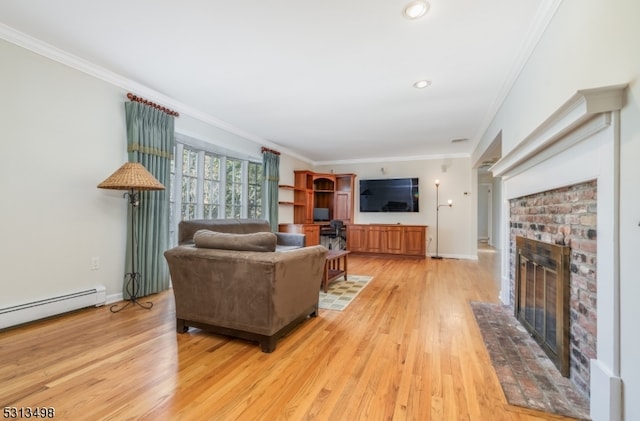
(389, 195)
(320, 214)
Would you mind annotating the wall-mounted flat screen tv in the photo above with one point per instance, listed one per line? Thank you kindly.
(389, 195)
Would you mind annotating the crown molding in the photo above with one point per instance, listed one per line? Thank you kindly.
(538, 27)
(49, 51)
(54, 53)
(393, 159)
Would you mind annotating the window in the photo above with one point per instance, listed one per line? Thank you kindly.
(212, 182)
(233, 192)
(189, 190)
(208, 185)
(255, 191)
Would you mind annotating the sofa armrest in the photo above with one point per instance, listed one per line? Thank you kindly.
(290, 239)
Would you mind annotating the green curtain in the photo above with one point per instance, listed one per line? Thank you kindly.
(271, 177)
(150, 141)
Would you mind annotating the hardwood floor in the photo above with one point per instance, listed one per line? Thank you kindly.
(407, 348)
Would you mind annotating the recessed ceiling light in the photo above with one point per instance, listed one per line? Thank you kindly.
(422, 84)
(416, 9)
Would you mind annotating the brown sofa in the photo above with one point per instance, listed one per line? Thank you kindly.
(285, 241)
(222, 284)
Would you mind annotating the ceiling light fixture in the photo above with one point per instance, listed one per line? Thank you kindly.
(416, 9)
(422, 84)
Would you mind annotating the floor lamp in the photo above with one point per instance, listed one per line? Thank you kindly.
(134, 177)
(438, 206)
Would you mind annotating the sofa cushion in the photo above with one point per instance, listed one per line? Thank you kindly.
(257, 241)
(187, 228)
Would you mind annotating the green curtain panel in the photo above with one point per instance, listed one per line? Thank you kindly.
(150, 141)
(271, 173)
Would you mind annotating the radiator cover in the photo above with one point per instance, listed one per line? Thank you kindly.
(40, 309)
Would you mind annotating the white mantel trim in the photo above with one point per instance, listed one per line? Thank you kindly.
(579, 142)
(579, 109)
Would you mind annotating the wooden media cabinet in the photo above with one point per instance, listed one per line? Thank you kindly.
(398, 239)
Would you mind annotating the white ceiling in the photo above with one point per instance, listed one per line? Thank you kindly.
(327, 80)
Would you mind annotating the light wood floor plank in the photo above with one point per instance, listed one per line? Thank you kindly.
(407, 348)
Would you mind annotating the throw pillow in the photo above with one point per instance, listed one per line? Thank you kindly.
(256, 241)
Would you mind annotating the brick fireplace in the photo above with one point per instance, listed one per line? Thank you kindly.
(560, 184)
(565, 216)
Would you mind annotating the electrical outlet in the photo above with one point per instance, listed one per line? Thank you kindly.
(95, 263)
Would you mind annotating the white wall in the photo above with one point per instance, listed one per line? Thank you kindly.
(287, 165)
(629, 253)
(201, 131)
(590, 44)
(456, 224)
(496, 214)
(63, 132)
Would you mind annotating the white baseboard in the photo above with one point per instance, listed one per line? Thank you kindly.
(606, 393)
(457, 256)
(114, 298)
(505, 295)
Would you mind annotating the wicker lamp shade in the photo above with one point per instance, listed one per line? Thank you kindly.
(131, 176)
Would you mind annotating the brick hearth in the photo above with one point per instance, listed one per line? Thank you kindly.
(527, 376)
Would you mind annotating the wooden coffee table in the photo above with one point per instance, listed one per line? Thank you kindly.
(334, 267)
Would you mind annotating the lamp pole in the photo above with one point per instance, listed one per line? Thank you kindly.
(133, 278)
(438, 205)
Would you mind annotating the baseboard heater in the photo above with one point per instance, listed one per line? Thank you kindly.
(35, 310)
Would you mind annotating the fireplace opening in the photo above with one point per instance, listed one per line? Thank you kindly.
(542, 296)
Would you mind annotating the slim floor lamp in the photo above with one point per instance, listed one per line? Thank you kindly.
(438, 206)
(134, 177)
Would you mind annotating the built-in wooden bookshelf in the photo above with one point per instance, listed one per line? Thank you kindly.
(290, 188)
(318, 190)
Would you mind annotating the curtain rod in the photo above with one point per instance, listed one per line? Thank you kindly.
(263, 150)
(135, 98)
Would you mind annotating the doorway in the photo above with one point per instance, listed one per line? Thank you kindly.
(485, 212)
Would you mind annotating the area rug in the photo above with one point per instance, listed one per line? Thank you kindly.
(527, 376)
(341, 293)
